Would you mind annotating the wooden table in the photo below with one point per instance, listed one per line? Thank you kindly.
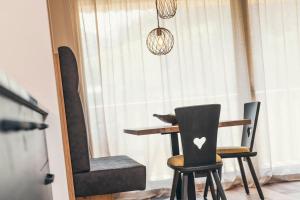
(175, 129)
(173, 132)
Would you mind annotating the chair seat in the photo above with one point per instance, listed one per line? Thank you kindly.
(178, 161)
(110, 175)
(235, 152)
(231, 150)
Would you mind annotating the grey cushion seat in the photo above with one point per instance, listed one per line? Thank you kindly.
(110, 175)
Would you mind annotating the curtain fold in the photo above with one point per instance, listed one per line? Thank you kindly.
(215, 60)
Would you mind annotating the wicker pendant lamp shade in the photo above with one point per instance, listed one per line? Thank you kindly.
(166, 8)
(160, 41)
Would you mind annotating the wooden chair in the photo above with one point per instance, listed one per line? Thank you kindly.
(95, 178)
(198, 127)
(251, 111)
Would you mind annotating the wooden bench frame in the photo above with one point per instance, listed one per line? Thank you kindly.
(98, 197)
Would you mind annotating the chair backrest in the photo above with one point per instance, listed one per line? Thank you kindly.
(74, 113)
(198, 126)
(251, 111)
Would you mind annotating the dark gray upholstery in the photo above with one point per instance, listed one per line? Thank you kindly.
(96, 176)
(110, 175)
(74, 113)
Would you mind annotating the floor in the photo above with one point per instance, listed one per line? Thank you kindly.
(276, 191)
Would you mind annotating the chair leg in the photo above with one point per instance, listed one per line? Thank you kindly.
(179, 187)
(243, 175)
(220, 175)
(175, 151)
(219, 185)
(184, 191)
(212, 187)
(206, 188)
(261, 195)
(174, 185)
(191, 187)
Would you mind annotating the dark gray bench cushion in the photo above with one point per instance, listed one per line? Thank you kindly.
(110, 175)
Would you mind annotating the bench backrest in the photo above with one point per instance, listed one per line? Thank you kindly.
(74, 112)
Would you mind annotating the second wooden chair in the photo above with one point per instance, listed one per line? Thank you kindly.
(251, 111)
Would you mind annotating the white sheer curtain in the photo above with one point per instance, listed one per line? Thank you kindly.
(126, 84)
(275, 40)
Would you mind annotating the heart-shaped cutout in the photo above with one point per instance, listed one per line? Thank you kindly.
(249, 131)
(199, 142)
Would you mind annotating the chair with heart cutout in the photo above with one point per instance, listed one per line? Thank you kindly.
(198, 127)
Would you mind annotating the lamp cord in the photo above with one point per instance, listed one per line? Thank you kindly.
(157, 17)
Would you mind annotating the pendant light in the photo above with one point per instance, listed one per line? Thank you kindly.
(160, 41)
(166, 8)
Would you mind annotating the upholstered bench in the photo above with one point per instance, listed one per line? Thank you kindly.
(110, 175)
(92, 177)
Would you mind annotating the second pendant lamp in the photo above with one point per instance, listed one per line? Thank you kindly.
(166, 8)
(160, 41)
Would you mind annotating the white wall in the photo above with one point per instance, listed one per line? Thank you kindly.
(25, 56)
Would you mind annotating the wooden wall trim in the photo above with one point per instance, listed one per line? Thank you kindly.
(64, 129)
(62, 114)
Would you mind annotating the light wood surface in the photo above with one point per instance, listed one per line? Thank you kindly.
(98, 197)
(64, 130)
(175, 129)
(62, 114)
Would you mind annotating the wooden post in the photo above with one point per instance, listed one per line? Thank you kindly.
(62, 114)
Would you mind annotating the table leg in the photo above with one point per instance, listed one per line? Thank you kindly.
(175, 152)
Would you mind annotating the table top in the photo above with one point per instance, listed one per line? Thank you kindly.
(175, 129)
